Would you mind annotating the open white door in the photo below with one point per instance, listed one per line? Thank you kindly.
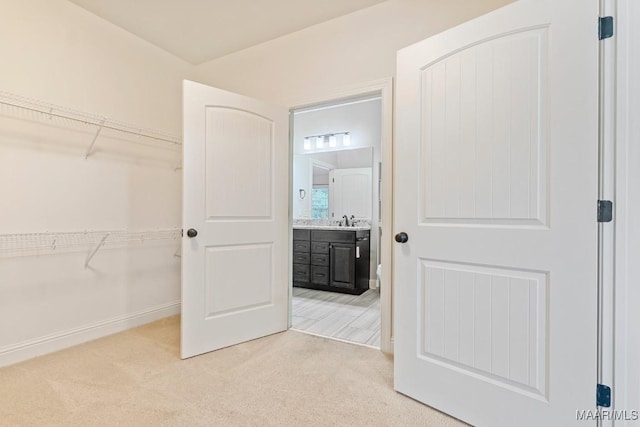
(234, 271)
(496, 187)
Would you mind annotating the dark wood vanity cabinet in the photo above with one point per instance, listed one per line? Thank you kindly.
(331, 260)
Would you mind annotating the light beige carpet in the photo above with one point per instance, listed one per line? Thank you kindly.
(136, 378)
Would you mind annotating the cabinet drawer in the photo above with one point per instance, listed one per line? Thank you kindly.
(301, 246)
(320, 259)
(320, 247)
(319, 275)
(300, 273)
(301, 258)
(333, 236)
(301, 234)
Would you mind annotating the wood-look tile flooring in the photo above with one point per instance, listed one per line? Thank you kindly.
(354, 318)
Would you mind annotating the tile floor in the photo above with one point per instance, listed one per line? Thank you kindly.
(354, 318)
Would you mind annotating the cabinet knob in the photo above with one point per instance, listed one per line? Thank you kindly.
(192, 232)
(402, 237)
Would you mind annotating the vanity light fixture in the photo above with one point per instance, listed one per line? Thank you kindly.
(322, 140)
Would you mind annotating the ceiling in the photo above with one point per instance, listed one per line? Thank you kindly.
(200, 30)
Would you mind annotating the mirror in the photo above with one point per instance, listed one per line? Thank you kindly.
(330, 184)
(320, 191)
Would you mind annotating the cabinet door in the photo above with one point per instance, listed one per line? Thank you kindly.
(342, 265)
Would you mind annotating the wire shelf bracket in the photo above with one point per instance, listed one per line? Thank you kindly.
(93, 142)
(95, 250)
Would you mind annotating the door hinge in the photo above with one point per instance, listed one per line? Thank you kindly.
(605, 210)
(605, 27)
(603, 395)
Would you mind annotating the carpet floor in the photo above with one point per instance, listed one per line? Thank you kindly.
(136, 378)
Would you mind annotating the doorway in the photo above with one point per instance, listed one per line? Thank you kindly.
(340, 147)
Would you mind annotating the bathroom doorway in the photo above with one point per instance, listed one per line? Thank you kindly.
(337, 213)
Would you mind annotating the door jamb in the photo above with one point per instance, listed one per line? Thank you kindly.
(626, 348)
(385, 88)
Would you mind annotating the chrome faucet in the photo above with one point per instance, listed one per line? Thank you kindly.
(346, 220)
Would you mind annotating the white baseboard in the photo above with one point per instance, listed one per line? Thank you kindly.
(37, 347)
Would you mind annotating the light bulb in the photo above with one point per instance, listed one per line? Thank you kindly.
(332, 141)
(307, 143)
(319, 141)
(346, 139)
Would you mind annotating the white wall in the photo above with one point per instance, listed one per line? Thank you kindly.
(349, 50)
(56, 52)
(361, 120)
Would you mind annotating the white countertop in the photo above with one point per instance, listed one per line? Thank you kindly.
(332, 227)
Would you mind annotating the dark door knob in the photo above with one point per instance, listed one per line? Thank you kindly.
(192, 232)
(402, 237)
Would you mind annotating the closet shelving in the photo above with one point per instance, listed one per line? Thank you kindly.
(28, 108)
(28, 244)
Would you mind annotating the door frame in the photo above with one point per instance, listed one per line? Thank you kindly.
(383, 88)
(626, 341)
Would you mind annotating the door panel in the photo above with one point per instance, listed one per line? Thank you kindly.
(343, 265)
(228, 287)
(496, 184)
(239, 148)
(484, 142)
(234, 285)
(465, 306)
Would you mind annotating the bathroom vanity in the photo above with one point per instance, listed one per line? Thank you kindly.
(331, 258)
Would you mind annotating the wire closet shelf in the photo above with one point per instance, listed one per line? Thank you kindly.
(28, 244)
(43, 110)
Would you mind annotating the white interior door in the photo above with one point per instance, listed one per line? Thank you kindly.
(234, 272)
(351, 192)
(496, 187)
